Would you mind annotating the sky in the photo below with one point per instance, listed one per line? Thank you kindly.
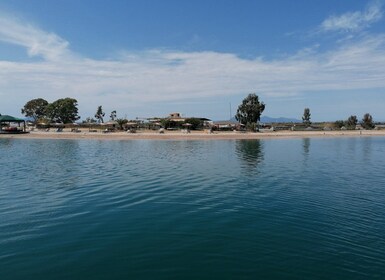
(149, 58)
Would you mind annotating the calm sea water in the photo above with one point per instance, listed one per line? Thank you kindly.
(270, 209)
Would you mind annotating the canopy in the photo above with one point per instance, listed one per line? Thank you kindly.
(10, 119)
(7, 118)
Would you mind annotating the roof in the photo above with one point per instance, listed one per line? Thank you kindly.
(7, 118)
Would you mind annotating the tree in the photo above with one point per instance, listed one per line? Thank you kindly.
(121, 122)
(306, 117)
(249, 112)
(195, 123)
(339, 124)
(113, 115)
(35, 108)
(351, 122)
(63, 110)
(166, 123)
(99, 114)
(367, 121)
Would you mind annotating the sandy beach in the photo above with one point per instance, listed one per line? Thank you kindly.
(194, 135)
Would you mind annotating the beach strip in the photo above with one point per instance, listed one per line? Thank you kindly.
(193, 135)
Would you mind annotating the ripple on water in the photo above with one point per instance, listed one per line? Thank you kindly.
(189, 209)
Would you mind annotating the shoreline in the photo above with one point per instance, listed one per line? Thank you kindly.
(194, 135)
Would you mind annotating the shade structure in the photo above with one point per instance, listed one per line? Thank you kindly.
(9, 119)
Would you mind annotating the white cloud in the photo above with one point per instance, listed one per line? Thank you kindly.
(37, 42)
(354, 21)
(135, 81)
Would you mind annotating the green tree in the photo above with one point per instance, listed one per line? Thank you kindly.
(339, 124)
(35, 108)
(121, 122)
(351, 122)
(195, 123)
(167, 123)
(306, 117)
(367, 121)
(100, 114)
(249, 112)
(113, 115)
(63, 110)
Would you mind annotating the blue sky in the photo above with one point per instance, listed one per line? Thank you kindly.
(153, 57)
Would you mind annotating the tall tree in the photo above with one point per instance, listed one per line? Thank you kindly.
(306, 117)
(249, 112)
(100, 114)
(113, 115)
(63, 110)
(351, 122)
(367, 121)
(35, 108)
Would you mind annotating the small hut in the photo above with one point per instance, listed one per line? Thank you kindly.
(9, 124)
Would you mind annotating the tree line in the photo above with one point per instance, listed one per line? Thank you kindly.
(64, 110)
(249, 112)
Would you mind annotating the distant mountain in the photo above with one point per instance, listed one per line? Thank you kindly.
(266, 119)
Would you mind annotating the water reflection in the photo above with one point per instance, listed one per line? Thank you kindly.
(5, 142)
(367, 148)
(250, 152)
(306, 145)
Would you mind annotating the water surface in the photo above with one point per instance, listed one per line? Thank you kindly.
(247, 209)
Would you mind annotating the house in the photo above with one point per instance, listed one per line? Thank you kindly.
(175, 117)
(175, 121)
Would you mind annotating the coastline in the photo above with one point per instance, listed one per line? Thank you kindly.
(194, 135)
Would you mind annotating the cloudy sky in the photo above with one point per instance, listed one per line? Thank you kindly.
(146, 58)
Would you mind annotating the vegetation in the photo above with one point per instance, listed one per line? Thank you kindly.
(63, 110)
(306, 117)
(367, 121)
(100, 114)
(351, 123)
(249, 112)
(195, 123)
(35, 109)
(113, 115)
(339, 124)
(166, 123)
(121, 122)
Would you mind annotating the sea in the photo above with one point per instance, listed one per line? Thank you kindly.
(311, 208)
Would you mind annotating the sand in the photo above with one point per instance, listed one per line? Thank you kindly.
(194, 135)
